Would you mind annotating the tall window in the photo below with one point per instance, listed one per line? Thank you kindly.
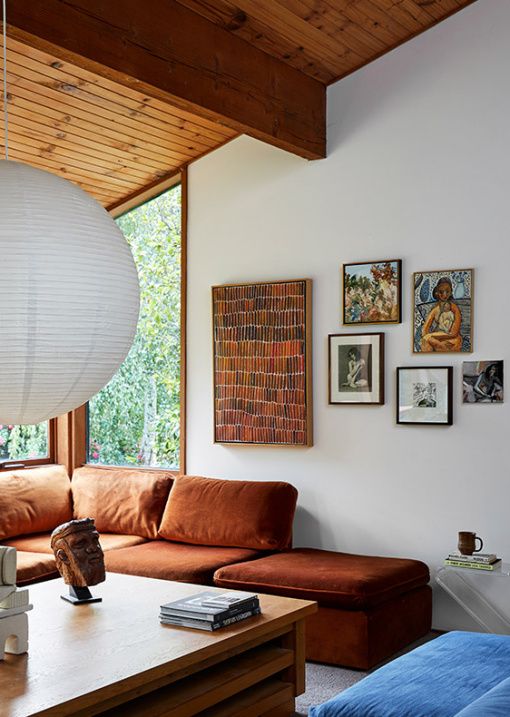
(135, 419)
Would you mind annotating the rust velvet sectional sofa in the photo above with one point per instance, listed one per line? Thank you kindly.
(234, 534)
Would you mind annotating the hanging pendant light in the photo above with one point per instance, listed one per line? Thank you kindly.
(69, 295)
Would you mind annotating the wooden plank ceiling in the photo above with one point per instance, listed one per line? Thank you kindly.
(326, 39)
(108, 138)
(109, 97)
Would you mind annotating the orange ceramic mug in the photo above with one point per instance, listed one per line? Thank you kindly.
(467, 543)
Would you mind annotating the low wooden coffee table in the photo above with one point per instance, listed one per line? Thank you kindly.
(114, 657)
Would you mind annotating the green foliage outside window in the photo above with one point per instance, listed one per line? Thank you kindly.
(135, 419)
(23, 442)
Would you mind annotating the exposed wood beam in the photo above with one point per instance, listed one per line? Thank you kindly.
(169, 52)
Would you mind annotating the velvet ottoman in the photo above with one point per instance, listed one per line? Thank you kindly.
(369, 607)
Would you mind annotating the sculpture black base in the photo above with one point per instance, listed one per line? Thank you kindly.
(78, 595)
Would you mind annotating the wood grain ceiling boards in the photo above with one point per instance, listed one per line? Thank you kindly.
(326, 39)
(108, 138)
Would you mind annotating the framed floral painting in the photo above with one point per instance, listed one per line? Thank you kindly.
(372, 292)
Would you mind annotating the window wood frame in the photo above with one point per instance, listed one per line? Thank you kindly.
(11, 464)
(71, 429)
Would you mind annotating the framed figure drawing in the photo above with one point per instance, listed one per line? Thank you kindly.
(372, 292)
(443, 311)
(482, 382)
(424, 395)
(356, 369)
(262, 347)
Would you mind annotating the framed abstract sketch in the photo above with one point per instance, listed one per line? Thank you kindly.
(443, 311)
(424, 395)
(372, 292)
(482, 382)
(262, 347)
(356, 369)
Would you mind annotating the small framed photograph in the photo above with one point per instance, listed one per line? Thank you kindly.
(372, 292)
(482, 382)
(443, 311)
(356, 369)
(424, 395)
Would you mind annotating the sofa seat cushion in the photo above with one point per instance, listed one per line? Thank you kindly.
(174, 561)
(40, 543)
(233, 513)
(351, 582)
(126, 500)
(34, 500)
(35, 567)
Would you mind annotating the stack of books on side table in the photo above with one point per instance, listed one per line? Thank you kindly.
(210, 610)
(480, 561)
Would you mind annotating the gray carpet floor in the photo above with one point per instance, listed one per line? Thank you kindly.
(325, 681)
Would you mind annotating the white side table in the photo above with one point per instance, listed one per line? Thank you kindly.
(476, 591)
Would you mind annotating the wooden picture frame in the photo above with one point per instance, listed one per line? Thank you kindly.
(443, 311)
(424, 395)
(262, 363)
(356, 369)
(372, 293)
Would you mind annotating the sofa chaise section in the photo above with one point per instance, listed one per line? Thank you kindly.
(369, 607)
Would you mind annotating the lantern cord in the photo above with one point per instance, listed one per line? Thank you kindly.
(6, 114)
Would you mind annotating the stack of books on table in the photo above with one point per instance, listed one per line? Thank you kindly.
(480, 561)
(210, 610)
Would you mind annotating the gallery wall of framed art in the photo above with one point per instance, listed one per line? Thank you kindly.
(262, 352)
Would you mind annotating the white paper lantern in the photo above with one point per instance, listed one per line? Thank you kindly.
(69, 296)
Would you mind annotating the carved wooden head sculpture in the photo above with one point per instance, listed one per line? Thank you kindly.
(79, 556)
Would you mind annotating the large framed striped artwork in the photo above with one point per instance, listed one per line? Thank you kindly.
(262, 347)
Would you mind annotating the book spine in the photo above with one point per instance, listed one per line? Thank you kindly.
(205, 624)
(237, 618)
(212, 617)
(474, 566)
(473, 559)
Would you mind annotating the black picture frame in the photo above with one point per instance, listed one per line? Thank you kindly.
(338, 393)
(422, 399)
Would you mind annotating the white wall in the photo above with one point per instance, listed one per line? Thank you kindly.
(418, 168)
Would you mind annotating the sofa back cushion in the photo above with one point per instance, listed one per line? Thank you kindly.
(240, 514)
(123, 500)
(34, 500)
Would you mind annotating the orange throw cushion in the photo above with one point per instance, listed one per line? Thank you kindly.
(123, 500)
(242, 514)
(34, 500)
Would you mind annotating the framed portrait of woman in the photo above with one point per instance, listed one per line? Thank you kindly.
(443, 311)
(356, 369)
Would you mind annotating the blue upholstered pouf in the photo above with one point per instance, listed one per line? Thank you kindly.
(438, 679)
